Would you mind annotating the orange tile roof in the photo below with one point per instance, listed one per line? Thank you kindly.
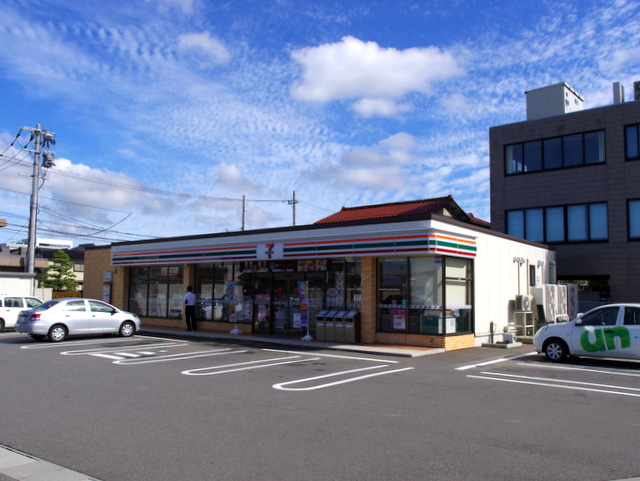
(416, 208)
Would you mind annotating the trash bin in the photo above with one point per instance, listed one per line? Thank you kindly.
(320, 331)
(329, 334)
(338, 326)
(352, 327)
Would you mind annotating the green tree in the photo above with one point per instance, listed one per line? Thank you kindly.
(60, 275)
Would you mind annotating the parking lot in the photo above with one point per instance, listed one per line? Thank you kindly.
(155, 407)
(185, 359)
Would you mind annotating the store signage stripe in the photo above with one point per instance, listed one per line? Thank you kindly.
(179, 261)
(451, 244)
(218, 255)
(343, 241)
(188, 256)
(183, 251)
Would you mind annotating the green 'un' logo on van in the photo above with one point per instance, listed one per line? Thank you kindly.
(605, 339)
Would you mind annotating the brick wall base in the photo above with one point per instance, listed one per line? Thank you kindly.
(448, 343)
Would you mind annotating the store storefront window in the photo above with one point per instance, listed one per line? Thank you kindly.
(156, 291)
(243, 289)
(354, 279)
(411, 293)
(335, 286)
(393, 294)
(425, 286)
(204, 292)
(458, 283)
(138, 290)
(267, 293)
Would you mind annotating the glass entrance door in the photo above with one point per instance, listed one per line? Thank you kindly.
(286, 304)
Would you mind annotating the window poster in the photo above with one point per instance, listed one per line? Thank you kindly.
(399, 319)
(303, 288)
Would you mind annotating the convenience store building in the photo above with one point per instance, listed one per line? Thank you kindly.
(420, 273)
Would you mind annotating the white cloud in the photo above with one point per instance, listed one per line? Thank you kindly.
(383, 107)
(205, 44)
(231, 176)
(353, 69)
(622, 60)
(187, 6)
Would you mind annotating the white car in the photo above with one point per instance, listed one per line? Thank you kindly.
(59, 318)
(10, 307)
(611, 331)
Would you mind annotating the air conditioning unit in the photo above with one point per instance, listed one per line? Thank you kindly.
(524, 302)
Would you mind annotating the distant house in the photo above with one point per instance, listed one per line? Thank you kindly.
(13, 265)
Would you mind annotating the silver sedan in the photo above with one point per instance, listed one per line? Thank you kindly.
(60, 318)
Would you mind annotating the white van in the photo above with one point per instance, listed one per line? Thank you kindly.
(10, 307)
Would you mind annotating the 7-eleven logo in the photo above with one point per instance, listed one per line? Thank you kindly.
(269, 250)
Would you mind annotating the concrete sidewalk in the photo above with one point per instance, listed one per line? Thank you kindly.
(15, 465)
(382, 349)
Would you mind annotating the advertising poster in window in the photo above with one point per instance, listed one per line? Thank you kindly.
(304, 303)
(399, 319)
(230, 300)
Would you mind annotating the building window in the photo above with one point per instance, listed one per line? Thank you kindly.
(424, 295)
(559, 152)
(632, 142)
(633, 218)
(560, 224)
(156, 291)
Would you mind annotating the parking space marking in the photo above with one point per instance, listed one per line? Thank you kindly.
(615, 372)
(84, 352)
(282, 386)
(179, 357)
(495, 361)
(212, 370)
(80, 343)
(556, 383)
(336, 356)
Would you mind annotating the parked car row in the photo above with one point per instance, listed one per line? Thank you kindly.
(10, 307)
(59, 318)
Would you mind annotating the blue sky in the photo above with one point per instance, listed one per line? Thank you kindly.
(168, 112)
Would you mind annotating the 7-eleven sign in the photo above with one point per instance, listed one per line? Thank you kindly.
(269, 251)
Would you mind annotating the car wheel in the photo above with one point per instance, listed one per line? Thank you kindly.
(556, 350)
(127, 329)
(58, 333)
(1, 324)
(37, 337)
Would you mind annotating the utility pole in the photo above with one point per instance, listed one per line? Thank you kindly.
(293, 203)
(244, 210)
(46, 138)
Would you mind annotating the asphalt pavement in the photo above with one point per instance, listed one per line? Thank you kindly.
(15, 465)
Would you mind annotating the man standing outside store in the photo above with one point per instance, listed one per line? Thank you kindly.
(189, 302)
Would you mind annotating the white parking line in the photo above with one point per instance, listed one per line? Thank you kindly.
(212, 370)
(556, 383)
(82, 352)
(615, 372)
(80, 343)
(281, 386)
(495, 361)
(178, 357)
(335, 356)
